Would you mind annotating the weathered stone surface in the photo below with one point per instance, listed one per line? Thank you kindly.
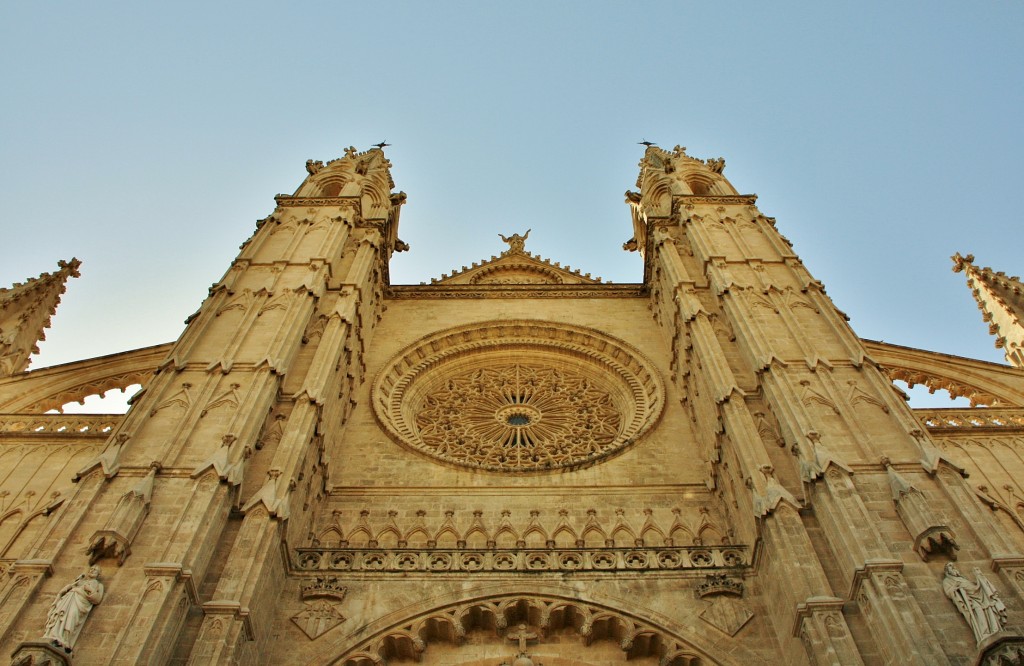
(515, 462)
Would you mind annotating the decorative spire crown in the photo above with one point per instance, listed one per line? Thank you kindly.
(1001, 301)
(25, 311)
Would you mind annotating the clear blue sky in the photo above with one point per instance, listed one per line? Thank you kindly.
(147, 138)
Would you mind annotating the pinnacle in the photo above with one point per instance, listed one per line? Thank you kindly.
(25, 311)
(1001, 301)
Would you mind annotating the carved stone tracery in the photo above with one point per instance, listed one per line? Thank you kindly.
(518, 396)
(519, 417)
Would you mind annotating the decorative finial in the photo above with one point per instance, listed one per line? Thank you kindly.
(515, 242)
(960, 261)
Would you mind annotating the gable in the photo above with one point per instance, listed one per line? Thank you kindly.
(516, 266)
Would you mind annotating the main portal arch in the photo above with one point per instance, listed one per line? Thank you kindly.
(555, 630)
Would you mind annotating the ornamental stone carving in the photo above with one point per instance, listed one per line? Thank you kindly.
(70, 609)
(518, 417)
(978, 602)
(518, 396)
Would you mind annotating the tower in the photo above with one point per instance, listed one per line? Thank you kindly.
(516, 463)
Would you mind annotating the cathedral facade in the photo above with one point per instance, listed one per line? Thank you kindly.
(515, 464)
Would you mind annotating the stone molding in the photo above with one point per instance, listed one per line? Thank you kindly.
(734, 199)
(689, 559)
(480, 291)
(284, 201)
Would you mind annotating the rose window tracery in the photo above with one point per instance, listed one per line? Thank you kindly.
(518, 396)
(518, 416)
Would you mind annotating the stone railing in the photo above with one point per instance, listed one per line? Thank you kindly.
(525, 560)
(989, 418)
(72, 425)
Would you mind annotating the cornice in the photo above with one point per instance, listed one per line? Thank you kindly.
(683, 490)
(694, 560)
(472, 291)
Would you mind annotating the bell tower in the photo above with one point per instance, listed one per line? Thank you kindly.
(798, 426)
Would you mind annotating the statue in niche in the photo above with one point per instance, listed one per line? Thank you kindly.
(516, 243)
(69, 610)
(978, 602)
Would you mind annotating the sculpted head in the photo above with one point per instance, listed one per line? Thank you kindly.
(94, 572)
(951, 569)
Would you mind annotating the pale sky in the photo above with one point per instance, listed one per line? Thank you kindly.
(147, 138)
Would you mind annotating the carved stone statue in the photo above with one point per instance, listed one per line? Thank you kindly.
(68, 612)
(978, 602)
(516, 243)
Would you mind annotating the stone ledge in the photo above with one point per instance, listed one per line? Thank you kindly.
(38, 653)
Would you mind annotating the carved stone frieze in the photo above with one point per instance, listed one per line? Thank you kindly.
(300, 202)
(477, 560)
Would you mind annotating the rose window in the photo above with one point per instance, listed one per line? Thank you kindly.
(519, 416)
(518, 396)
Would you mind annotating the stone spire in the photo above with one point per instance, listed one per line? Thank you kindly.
(25, 311)
(1001, 301)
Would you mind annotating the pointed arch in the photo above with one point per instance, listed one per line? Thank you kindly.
(477, 536)
(506, 537)
(535, 535)
(639, 634)
(330, 537)
(388, 537)
(564, 535)
(594, 530)
(418, 536)
(447, 536)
